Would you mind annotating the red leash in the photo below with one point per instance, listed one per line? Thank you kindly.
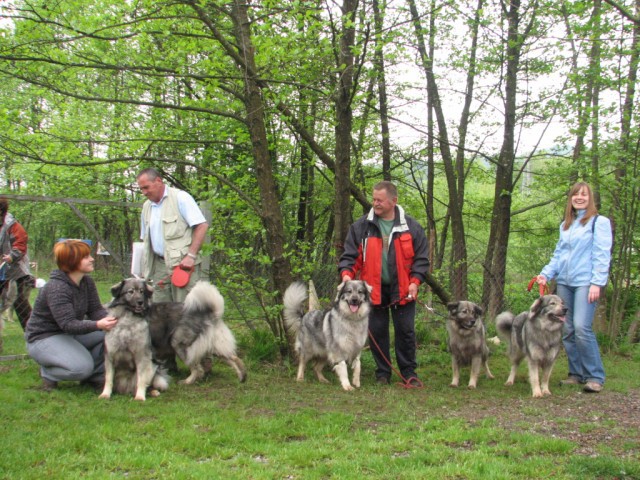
(542, 289)
(406, 382)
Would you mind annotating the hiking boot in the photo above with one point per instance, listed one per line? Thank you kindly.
(48, 385)
(592, 387)
(414, 382)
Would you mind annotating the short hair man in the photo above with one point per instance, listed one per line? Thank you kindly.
(388, 249)
(173, 229)
(15, 261)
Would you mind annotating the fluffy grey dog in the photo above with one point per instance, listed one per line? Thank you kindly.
(129, 365)
(467, 342)
(334, 336)
(195, 332)
(537, 336)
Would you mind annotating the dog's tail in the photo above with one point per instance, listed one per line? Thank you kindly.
(204, 297)
(294, 300)
(216, 338)
(504, 324)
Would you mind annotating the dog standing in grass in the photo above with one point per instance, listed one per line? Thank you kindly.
(467, 341)
(537, 336)
(195, 332)
(335, 336)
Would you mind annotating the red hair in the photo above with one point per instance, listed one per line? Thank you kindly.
(69, 254)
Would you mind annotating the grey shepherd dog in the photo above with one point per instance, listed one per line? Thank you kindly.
(195, 332)
(537, 336)
(467, 341)
(129, 365)
(335, 336)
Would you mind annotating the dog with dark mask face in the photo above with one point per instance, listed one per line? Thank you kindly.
(467, 341)
(129, 365)
(335, 336)
(537, 336)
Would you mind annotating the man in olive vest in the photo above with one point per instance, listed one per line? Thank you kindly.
(172, 230)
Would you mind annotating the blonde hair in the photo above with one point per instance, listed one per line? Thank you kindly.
(69, 254)
(570, 213)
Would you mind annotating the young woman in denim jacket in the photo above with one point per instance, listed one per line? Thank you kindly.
(580, 265)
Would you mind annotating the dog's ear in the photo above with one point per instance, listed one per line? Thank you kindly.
(339, 292)
(117, 289)
(368, 288)
(477, 310)
(148, 290)
(453, 306)
(536, 306)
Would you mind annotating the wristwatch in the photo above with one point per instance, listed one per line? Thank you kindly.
(189, 254)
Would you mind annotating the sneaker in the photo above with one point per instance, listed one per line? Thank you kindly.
(570, 380)
(382, 381)
(592, 387)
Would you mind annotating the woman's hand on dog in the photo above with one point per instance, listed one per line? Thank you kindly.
(107, 323)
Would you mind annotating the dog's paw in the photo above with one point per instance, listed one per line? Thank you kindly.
(139, 398)
(453, 384)
(508, 383)
(537, 394)
(154, 393)
(546, 393)
(106, 396)
(471, 386)
(347, 388)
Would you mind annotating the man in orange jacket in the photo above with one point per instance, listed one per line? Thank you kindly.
(388, 249)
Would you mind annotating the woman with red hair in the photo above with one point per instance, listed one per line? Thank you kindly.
(65, 333)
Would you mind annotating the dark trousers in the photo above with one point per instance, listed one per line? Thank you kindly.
(405, 336)
(21, 305)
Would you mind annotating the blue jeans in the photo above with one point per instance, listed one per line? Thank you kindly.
(579, 340)
(70, 357)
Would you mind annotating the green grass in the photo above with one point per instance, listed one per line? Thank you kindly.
(272, 427)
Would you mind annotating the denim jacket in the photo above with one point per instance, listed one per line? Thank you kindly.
(583, 253)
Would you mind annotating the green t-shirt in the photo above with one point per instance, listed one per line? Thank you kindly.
(385, 229)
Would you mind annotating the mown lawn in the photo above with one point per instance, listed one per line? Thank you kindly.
(274, 428)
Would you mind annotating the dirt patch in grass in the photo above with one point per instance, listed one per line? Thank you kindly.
(594, 422)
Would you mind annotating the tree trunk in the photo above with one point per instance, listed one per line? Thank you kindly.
(459, 260)
(624, 211)
(496, 256)
(378, 17)
(344, 126)
(270, 213)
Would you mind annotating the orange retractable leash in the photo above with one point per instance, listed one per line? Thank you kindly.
(542, 289)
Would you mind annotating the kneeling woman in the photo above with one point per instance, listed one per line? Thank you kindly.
(65, 333)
